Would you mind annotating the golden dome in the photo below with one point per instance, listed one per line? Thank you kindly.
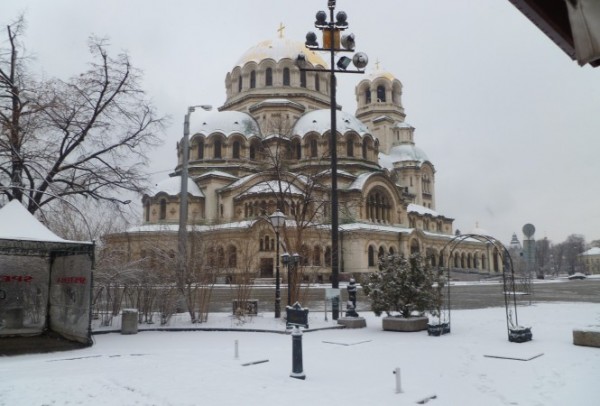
(278, 49)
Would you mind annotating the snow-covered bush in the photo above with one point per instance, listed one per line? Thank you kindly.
(404, 287)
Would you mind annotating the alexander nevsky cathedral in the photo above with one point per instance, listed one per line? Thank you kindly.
(267, 149)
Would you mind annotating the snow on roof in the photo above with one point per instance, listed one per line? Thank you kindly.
(592, 251)
(416, 208)
(320, 121)
(172, 187)
(216, 173)
(151, 228)
(402, 153)
(272, 186)
(18, 224)
(225, 122)
(359, 182)
(278, 49)
(375, 227)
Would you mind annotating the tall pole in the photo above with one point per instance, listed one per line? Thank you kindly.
(277, 284)
(333, 152)
(183, 199)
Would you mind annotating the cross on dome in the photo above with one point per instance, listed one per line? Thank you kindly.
(281, 29)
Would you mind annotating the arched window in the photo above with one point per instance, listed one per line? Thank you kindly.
(286, 76)
(200, 149)
(350, 147)
(328, 256)
(317, 256)
(365, 149)
(367, 96)
(317, 83)
(391, 251)
(378, 206)
(218, 145)
(414, 247)
(269, 77)
(371, 256)
(302, 78)
(381, 252)
(296, 149)
(232, 256)
(252, 79)
(163, 209)
(314, 151)
(381, 93)
(236, 150)
(147, 210)
(304, 255)
(220, 257)
(240, 84)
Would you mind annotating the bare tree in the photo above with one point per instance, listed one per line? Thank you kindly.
(86, 136)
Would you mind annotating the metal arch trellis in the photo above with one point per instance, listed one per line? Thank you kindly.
(516, 333)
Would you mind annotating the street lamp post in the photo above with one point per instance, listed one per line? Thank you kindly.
(183, 202)
(291, 262)
(333, 42)
(277, 220)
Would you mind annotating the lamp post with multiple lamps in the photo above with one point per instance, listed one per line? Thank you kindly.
(290, 261)
(334, 42)
(277, 220)
(183, 202)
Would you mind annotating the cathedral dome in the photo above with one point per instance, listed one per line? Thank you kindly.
(408, 152)
(278, 49)
(225, 122)
(320, 122)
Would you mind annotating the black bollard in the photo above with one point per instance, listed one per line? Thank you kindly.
(297, 370)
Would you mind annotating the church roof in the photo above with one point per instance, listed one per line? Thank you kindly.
(278, 49)
(380, 73)
(320, 121)
(401, 153)
(225, 122)
(172, 187)
(592, 251)
(272, 186)
(416, 208)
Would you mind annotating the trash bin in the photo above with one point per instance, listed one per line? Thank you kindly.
(129, 321)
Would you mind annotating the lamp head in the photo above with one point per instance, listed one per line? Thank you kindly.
(311, 40)
(348, 42)
(321, 19)
(343, 62)
(360, 60)
(341, 19)
(285, 258)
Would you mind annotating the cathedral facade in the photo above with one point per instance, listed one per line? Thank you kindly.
(267, 148)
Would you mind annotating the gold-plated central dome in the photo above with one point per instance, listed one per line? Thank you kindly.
(278, 49)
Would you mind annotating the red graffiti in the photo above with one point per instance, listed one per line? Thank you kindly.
(16, 278)
(71, 280)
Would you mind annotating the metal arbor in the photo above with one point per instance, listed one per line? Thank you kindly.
(516, 332)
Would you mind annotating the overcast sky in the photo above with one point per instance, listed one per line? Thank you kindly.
(509, 121)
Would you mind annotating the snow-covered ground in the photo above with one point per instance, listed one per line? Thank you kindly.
(343, 367)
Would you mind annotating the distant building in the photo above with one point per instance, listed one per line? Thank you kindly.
(266, 148)
(591, 260)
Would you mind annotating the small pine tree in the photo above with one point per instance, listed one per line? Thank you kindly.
(404, 286)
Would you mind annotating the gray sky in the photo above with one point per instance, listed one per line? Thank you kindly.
(509, 121)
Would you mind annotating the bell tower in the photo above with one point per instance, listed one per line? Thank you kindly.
(379, 101)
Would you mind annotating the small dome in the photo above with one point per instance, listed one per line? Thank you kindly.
(226, 122)
(378, 73)
(320, 121)
(278, 49)
(408, 152)
(172, 187)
